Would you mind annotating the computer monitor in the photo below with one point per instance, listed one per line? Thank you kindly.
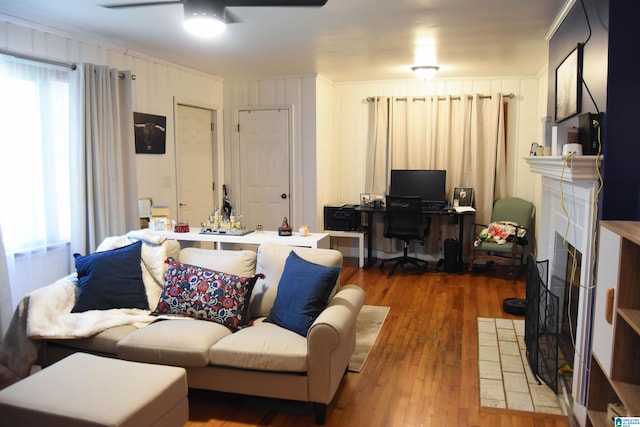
(429, 185)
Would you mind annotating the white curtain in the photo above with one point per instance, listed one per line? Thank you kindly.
(488, 168)
(34, 170)
(68, 166)
(376, 180)
(6, 305)
(104, 159)
(463, 135)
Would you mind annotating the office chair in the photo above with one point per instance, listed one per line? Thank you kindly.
(404, 220)
(512, 248)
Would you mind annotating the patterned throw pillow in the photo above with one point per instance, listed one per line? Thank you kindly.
(205, 294)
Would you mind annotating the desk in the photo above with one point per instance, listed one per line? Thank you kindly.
(371, 211)
(313, 240)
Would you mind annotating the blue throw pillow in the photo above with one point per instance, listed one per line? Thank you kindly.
(303, 292)
(110, 279)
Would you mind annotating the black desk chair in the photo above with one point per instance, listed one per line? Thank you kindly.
(404, 220)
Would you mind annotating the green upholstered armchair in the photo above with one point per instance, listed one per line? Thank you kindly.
(504, 239)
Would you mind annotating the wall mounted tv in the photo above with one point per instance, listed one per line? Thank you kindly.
(429, 185)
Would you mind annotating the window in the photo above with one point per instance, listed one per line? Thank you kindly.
(34, 166)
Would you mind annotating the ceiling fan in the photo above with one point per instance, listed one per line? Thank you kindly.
(208, 17)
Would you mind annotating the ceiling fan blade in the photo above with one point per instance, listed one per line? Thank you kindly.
(230, 18)
(143, 4)
(270, 3)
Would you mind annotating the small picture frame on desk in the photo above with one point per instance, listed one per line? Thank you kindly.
(462, 196)
(365, 199)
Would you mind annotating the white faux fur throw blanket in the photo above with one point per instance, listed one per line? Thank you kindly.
(46, 312)
(49, 314)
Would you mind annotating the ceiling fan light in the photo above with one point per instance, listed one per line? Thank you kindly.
(425, 71)
(204, 26)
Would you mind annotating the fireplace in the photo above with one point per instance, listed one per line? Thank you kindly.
(565, 283)
(551, 315)
(566, 216)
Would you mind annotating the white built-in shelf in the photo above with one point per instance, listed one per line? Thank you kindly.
(614, 375)
(571, 169)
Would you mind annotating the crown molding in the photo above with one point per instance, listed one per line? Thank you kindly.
(566, 8)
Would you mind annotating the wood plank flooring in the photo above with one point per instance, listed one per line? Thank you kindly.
(421, 372)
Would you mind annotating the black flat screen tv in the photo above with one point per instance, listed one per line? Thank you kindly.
(429, 185)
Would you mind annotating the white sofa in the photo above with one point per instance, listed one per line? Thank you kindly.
(263, 359)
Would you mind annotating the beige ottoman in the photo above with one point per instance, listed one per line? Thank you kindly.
(87, 390)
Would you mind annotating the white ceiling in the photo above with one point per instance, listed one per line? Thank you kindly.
(344, 40)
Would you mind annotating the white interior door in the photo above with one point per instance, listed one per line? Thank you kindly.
(264, 167)
(195, 163)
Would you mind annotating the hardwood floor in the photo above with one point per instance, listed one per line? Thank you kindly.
(421, 372)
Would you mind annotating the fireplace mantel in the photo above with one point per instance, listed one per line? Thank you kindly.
(566, 216)
(571, 169)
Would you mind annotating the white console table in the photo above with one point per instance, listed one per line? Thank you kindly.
(313, 240)
(354, 235)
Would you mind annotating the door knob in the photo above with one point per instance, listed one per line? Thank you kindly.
(283, 196)
(183, 204)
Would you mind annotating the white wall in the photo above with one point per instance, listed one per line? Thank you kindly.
(329, 174)
(157, 84)
(543, 82)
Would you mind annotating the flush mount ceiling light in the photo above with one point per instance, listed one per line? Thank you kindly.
(204, 19)
(425, 71)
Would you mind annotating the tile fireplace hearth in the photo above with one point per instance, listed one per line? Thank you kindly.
(567, 218)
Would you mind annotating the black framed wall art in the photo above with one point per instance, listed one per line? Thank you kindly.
(150, 133)
(569, 85)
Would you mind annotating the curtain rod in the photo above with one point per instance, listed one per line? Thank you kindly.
(69, 65)
(441, 98)
(38, 59)
(121, 76)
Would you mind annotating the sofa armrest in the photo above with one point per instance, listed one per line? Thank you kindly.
(331, 341)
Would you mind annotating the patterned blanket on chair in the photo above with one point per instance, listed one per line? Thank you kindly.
(500, 232)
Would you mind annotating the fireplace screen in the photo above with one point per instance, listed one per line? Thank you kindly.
(541, 324)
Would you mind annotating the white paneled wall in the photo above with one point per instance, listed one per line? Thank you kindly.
(157, 84)
(299, 93)
(329, 173)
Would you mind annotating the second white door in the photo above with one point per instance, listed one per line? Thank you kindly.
(264, 167)
(195, 163)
